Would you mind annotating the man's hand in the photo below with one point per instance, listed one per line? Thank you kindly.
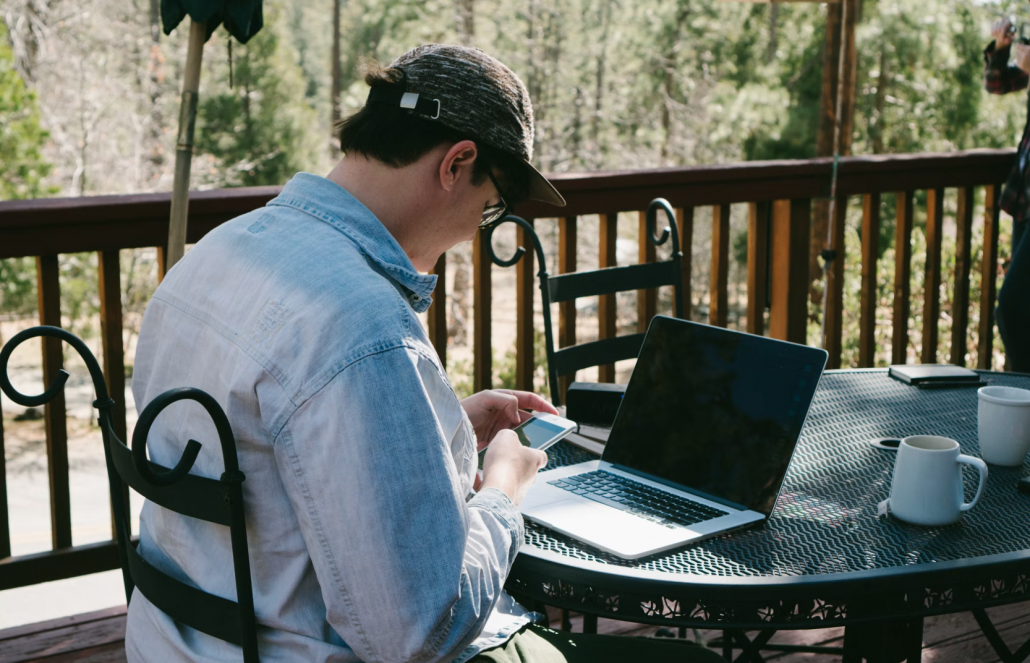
(1002, 33)
(511, 467)
(1021, 57)
(494, 410)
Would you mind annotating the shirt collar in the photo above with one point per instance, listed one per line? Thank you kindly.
(329, 202)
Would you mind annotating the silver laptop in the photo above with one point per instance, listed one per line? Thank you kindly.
(700, 445)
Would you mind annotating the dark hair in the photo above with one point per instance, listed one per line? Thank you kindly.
(398, 138)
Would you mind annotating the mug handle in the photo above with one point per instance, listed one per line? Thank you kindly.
(980, 465)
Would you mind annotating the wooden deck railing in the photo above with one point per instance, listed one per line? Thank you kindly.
(779, 196)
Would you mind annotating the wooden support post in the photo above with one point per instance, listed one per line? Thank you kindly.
(606, 327)
(5, 520)
(963, 257)
(757, 265)
(870, 254)
(482, 347)
(685, 221)
(902, 277)
(162, 258)
(988, 277)
(47, 276)
(647, 300)
(437, 313)
(566, 310)
(788, 319)
(834, 340)
(525, 284)
(718, 301)
(109, 270)
(932, 282)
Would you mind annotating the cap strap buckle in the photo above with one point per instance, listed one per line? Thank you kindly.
(408, 100)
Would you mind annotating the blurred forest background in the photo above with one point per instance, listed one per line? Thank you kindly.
(89, 94)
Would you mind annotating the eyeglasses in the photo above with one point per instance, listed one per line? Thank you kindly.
(494, 213)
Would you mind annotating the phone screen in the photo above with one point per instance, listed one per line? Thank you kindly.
(533, 433)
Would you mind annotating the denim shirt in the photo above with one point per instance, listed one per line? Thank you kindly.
(300, 319)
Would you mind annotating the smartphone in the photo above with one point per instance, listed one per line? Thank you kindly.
(540, 431)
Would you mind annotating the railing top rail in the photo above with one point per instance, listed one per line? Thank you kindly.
(94, 223)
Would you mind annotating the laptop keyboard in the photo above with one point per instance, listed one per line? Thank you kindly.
(639, 499)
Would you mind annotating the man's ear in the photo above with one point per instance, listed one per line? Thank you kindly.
(458, 159)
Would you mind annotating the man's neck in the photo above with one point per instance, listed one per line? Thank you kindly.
(392, 195)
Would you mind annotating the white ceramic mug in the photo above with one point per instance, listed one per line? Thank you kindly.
(1004, 422)
(927, 484)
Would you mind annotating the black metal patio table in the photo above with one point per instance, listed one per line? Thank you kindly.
(825, 557)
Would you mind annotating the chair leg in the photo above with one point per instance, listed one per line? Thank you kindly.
(590, 623)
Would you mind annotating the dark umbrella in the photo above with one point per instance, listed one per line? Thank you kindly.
(242, 19)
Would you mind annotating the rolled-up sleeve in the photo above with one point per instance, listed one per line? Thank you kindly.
(409, 571)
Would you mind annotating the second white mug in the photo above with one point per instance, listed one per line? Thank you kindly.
(927, 485)
(1003, 419)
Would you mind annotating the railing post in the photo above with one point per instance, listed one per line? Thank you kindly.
(963, 249)
(870, 254)
(110, 282)
(48, 279)
(5, 519)
(647, 300)
(482, 348)
(162, 258)
(566, 310)
(717, 294)
(685, 220)
(989, 277)
(834, 340)
(606, 322)
(932, 282)
(525, 275)
(757, 265)
(437, 313)
(902, 277)
(788, 319)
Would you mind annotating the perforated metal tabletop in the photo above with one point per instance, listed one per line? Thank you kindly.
(824, 555)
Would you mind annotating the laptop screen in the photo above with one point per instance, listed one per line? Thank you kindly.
(715, 411)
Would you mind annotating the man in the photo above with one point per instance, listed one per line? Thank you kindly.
(1014, 299)
(301, 320)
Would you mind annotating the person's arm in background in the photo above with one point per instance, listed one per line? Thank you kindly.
(408, 570)
(999, 77)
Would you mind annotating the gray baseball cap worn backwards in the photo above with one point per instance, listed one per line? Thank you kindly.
(468, 91)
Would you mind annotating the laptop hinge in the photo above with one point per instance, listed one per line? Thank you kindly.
(677, 486)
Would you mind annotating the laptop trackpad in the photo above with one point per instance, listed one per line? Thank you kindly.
(590, 521)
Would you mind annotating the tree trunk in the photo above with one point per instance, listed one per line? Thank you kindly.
(334, 145)
(595, 125)
(774, 11)
(464, 20)
(876, 125)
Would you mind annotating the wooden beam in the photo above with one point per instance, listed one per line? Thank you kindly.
(963, 258)
(49, 288)
(647, 300)
(110, 286)
(5, 519)
(932, 280)
(685, 221)
(482, 285)
(566, 310)
(988, 277)
(834, 339)
(902, 277)
(870, 254)
(757, 265)
(606, 321)
(525, 284)
(718, 301)
(788, 317)
(437, 313)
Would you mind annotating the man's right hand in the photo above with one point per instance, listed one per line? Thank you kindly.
(1002, 33)
(511, 467)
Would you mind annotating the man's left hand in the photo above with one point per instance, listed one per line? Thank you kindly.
(494, 410)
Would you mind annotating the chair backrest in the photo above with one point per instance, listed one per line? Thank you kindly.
(569, 287)
(216, 501)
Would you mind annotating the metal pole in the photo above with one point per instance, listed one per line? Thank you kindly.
(184, 146)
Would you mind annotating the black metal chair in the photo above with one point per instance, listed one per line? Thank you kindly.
(569, 287)
(216, 501)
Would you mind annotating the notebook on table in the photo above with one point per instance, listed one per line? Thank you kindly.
(700, 445)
